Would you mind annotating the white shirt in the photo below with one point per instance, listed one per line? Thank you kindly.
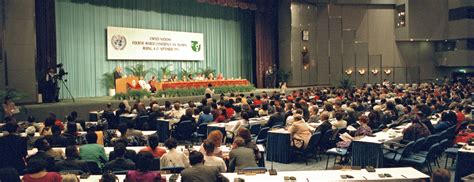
(215, 161)
(174, 158)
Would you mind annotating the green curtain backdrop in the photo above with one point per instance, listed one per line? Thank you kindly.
(81, 37)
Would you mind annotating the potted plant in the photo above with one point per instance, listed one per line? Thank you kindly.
(139, 71)
(346, 83)
(205, 72)
(283, 76)
(185, 73)
(165, 72)
(108, 82)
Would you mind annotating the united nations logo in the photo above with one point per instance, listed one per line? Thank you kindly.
(119, 42)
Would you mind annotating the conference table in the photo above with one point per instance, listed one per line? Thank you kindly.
(279, 146)
(464, 162)
(225, 127)
(398, 174)
(200, 84)
(368, 150)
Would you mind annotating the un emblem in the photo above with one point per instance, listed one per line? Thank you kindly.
(119, 42)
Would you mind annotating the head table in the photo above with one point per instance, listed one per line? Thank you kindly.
(398, 174)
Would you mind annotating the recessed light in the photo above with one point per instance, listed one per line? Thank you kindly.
(411, 40)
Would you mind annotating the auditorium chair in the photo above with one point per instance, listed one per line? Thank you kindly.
(394, 155)
(201, 132)
(420, 160)
(183, 130)
(430, 140)
(142, 122)
(93, 167)
(419, 144)
(254, 129)
(155, 164)
(172, 170)
(262, 136)
(310, 150)
(338, 152)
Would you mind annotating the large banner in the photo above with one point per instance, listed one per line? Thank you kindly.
(146, 44)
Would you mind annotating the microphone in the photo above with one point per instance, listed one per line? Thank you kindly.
(272, 171)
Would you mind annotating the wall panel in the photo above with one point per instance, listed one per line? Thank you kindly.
(81, 37)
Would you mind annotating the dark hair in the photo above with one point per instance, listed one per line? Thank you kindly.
(48, 122)
(71, 127)
(119, 149)
(441, 175)
(56, 130)
(171, 143)
(36, 165)
(122, 106)
(167, 104)
(189, 112)
(11, 127)
(31, 119)
(209, 147)
(9, 174)
(245, 134)
(206, 110)
(153, 141)
(109, 177)
(42, 144)
(74, 114)
(71, 152)
(122, 128)
(245, 116)
(144, 161)
(91, 137)
(195, 157)
(339, 115)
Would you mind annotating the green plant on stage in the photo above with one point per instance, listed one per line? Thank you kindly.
(108, 80)
(165, 72)
(183, 92)
(120, 96)
(185, 73)
(205, 72)
(15, 96)
(346, 83)
(283, 76)
(139, 70)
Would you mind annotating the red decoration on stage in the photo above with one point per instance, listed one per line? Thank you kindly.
(197, 84)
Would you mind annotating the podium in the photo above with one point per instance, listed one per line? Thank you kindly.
(121, 84)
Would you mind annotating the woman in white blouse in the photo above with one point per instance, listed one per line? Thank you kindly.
(210, 159)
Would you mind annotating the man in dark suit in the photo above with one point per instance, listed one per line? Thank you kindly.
(117, 74)
(72, 161)
(13, 148)
(199, 172)
(277, 119)
(120, 163)
(325, 126)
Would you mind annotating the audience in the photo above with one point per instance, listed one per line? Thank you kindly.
(93, 151)
(240, 156)
(210, 158)
(9, 174)
(216, 138)
(120, 163)
(13, 148)
(441, 175)
(300, 131)
(72, 161)
(200, 172)
(36, 172)
(153, 148)
(173, 158)
(143, 173)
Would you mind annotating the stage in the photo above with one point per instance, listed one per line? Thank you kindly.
(84, 105)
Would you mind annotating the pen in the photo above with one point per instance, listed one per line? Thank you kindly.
(364, 177)
(404, 176)
(307, 179)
